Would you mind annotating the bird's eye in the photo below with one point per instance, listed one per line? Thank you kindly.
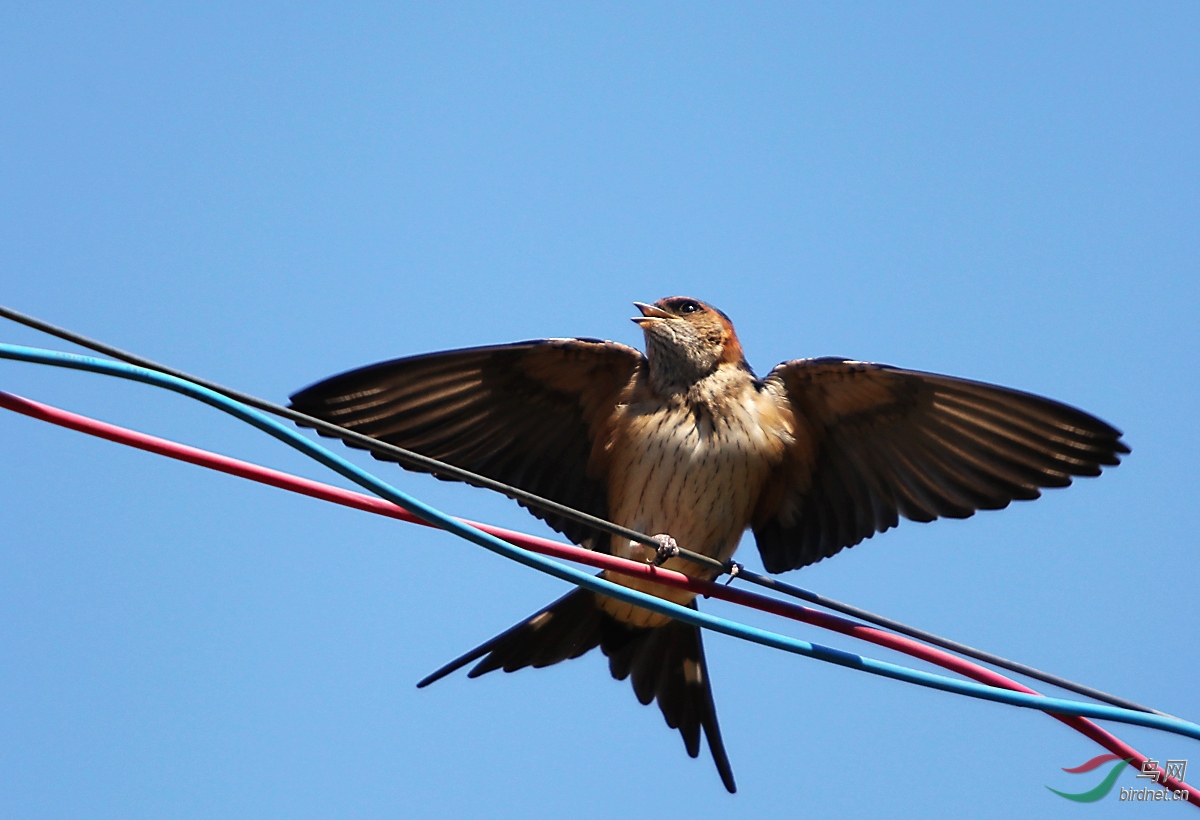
(689, 307)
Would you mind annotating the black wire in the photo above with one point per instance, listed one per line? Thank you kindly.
(440, 468)
(407, 457)
(944, 643)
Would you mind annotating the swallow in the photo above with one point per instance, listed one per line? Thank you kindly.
(685, 441)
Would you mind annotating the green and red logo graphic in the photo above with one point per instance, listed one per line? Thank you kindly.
(1104, 786)
(1172, 769)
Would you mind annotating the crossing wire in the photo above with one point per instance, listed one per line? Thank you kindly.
(367, 503)
(443, 469)
(1056, 706)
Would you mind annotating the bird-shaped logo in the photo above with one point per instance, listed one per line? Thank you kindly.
(685, 441)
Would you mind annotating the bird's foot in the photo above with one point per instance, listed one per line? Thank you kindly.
(667, 549)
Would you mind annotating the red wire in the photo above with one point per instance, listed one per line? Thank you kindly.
(544, 546)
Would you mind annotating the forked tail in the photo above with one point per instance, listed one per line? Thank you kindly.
(664, 663)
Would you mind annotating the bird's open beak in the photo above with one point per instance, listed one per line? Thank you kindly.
(650, 314)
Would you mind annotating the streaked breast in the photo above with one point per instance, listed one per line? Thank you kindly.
(692, 470)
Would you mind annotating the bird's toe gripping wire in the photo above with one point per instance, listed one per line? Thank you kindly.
(667, 549)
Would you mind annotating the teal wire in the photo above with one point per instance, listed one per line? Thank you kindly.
(594, 583)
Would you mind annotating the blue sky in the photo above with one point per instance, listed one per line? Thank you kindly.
(268, 195)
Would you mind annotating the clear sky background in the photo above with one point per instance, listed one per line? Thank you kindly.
(268, 195)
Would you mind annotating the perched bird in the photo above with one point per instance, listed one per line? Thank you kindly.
(686, 441)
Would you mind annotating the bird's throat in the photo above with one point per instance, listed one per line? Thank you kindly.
(676, 369)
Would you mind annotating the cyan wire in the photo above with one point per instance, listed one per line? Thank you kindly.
(591, 582)
(418, 461)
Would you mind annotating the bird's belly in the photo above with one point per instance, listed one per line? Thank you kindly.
(695, 482)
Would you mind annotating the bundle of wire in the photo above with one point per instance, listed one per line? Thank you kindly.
(537, 553)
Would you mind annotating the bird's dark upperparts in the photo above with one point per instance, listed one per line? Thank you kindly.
(685, 440)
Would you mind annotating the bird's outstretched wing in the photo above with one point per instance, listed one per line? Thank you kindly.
(872, 443)
(527, 414)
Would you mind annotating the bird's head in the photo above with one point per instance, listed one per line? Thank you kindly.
(686, 340)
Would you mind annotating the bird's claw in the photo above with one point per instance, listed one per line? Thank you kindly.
(667, 549)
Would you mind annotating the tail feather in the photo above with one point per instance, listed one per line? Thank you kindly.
(566, 629)
(667, 663)
(513, 649)
(664, 663)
